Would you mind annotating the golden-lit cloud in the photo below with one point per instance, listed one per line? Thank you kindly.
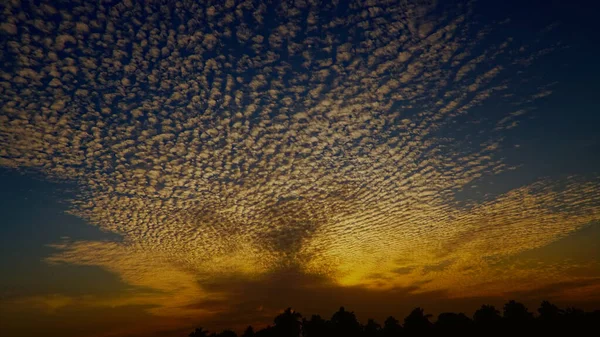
(217, 145)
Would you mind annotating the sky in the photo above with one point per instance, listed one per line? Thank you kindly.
(172, 164)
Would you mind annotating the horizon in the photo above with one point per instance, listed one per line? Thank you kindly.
(547, 317)
(171, 164)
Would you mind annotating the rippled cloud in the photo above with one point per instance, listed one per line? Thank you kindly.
(236, 138)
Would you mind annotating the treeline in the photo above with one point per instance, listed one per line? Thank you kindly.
(516, 319)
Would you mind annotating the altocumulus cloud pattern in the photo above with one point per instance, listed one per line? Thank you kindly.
(223, 138)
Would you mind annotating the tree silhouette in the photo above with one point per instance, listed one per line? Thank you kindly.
(550, 319)
(487, 315)
(574, 313)
(392, 327)
(315, 327)
(549, 312)
(199, 332)
(345, 324)
(487, 320)
(517, 317)
(517, 321)
(452, 323)
(266, 332)
(288, 323)
(372, 329)
(224, 333)
(516, 312)
(249, 332)
(576, 318)
(417, 323)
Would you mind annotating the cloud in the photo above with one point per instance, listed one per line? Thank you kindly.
(314, 144)
(581, 290)
(258, 300)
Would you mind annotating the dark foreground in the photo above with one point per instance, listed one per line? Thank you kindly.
(516, 320)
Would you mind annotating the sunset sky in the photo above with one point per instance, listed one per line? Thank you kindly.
(172, 164)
